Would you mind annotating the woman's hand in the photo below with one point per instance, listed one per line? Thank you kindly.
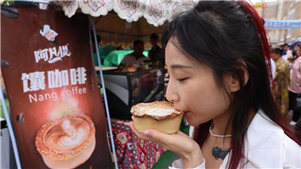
(179, 143)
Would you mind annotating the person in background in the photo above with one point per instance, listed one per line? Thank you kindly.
(287, 53)
(215, 55)
(295, 85)
(297, 49)
(156, 53)
(281, 81)
(135, 58)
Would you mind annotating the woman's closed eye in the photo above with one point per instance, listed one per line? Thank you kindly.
(182, 79)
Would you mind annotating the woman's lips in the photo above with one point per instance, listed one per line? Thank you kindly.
(184, 111)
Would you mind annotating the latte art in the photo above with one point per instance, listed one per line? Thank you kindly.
(66, 142)
(68, 128)
(72, 142)
(67, 134)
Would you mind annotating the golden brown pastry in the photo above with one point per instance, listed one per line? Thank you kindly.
(66, 142)
(159, 115)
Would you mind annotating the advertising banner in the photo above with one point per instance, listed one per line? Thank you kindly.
(282, 24)
(55, 102)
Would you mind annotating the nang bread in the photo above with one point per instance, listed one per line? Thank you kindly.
(159, 115)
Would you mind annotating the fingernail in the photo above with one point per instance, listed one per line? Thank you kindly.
(144, 132)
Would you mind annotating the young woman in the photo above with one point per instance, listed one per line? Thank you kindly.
(215, 55)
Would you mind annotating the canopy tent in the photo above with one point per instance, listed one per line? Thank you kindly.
(156, 12)
(116, 31)
(120, 22)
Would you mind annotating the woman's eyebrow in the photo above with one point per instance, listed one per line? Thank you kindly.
(179, 66)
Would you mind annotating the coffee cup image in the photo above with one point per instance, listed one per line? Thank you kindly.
(66, 142)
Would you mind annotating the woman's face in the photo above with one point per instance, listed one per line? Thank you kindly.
(192, 88)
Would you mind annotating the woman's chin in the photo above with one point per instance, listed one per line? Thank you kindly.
(189, 119)
(192, 120)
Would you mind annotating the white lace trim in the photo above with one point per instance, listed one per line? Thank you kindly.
(156, 12)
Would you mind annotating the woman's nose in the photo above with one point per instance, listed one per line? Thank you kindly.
(171, 94)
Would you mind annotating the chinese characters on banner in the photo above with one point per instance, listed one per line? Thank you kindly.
(51, 54)
(56, 79)
(282, 24)
(56, 106)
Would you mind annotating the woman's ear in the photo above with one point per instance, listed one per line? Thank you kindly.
(232, 80)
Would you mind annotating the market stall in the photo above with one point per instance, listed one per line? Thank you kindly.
(153, 16)
(120, 23)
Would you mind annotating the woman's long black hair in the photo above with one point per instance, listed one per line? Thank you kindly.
(226, 36)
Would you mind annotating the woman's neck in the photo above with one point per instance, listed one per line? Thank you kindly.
(219, 124)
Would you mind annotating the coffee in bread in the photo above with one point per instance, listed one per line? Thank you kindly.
(159, 115)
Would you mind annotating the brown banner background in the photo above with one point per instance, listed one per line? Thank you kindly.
(19, 39)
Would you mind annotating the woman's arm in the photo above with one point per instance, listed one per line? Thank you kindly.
(181, 144)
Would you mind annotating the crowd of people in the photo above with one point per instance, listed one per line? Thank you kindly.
(287, 81)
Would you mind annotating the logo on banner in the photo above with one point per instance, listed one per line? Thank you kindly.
(49, 34)
(54, 54)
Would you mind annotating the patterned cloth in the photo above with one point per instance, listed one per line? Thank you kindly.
(131, 151)
(281, 84)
